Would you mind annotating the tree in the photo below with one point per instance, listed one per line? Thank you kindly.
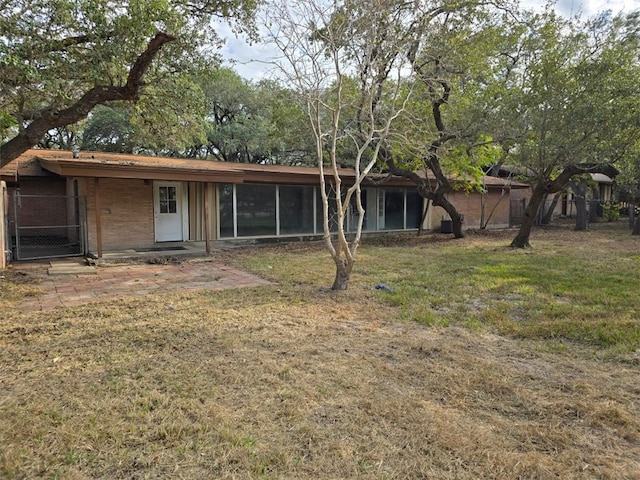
(628, 185)
(453, 52)
(576, 97)
(236, 124)
(342, 58)
(578, 185)
(61, 138)
(251, 122)
(61, 59)
(109, 130)
(290, 139)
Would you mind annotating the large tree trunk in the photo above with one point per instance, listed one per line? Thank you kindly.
(456, 218)
(437, 198)
(582, 216)
(50, 118)
(529, 218)
(594, 205)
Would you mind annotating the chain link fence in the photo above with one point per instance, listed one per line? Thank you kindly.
(46, 226)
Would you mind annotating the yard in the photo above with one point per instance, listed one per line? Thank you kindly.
(482, 362)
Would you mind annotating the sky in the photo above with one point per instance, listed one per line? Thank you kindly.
(590, 7)
(252, 61)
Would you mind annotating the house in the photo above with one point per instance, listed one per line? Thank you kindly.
(62, 203)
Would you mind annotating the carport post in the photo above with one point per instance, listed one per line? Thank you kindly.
(4, 212)
(207, 226)
(96, 183)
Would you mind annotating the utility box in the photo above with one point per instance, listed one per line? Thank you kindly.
(446, 225)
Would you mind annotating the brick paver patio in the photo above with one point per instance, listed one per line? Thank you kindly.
(110, 282)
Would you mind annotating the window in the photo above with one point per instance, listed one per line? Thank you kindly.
(333, 211)
(414, 209)
(226, 210)
(256, 210)
(393, 209)
(248, 210)
(168, 199)
(296, 210)
(354, 215)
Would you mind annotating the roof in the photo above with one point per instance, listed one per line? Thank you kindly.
(602, 178)
(115, 165)
(24, 166)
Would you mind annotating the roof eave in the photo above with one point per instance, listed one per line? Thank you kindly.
(146, 172)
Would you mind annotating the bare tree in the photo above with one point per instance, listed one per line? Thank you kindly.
(343, 60)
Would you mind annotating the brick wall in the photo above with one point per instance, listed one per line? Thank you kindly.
(36, 211)
(470, 205)
(126, 213)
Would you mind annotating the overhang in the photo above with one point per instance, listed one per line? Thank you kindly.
(101, 165)
(602, 178)
(114, 165)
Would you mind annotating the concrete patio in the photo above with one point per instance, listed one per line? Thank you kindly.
(73, 281)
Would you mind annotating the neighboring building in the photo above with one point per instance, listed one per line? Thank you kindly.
(600, 192)
(102, 202)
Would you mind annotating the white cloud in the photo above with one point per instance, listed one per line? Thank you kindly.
(587, 8)
(250, 61)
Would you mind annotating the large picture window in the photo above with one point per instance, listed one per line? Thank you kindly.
(414, 209)
(333, 211)
(368, 206)
(296, 210)
(248, 210)
(256, 210)
(393, 209)
(226, 210)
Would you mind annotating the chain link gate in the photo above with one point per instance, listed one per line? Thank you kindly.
(48, 226)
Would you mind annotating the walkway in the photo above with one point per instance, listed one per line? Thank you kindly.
(67, 283)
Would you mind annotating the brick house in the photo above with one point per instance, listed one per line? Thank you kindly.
(107, 202)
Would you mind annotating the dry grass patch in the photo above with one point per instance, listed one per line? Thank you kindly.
(293, 381)
(15, 285)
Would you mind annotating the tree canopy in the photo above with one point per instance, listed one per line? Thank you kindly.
(467, 83)
(454, 50)
(574, 88)
(252, 122)
(59, 59)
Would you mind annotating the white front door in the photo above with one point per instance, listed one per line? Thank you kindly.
(167, 206)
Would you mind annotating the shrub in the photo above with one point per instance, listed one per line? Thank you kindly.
(610, 212)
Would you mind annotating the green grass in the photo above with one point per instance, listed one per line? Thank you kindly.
(574, 287)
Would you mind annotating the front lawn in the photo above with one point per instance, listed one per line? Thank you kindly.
(482, 362)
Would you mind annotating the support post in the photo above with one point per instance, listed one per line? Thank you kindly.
(4, 212)
(207, 221)
(96, 192)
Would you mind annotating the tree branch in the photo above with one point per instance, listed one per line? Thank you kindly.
(49, 118)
